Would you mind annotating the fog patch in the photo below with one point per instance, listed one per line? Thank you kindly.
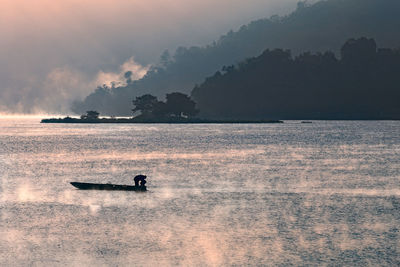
(94, 209)
(25, 193)
(128, 71)
(58, 89)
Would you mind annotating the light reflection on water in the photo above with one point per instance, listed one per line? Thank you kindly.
(272, 194)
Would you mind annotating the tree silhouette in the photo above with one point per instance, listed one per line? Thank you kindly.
(128, 77)
(90, 115)
(179, 104)
(145, 104)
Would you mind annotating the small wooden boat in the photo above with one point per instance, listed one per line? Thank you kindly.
(91, 186)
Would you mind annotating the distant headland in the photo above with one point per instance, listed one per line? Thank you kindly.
(176, 120)
(178, 108)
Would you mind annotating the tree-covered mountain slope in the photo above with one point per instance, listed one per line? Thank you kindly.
(322, 26)
(362, 84)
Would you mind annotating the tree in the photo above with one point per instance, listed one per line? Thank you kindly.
(359, 51)
(90, 115)
(179, 104)
(145, 104)
(165, 58)
(160, 109)
(128, 77)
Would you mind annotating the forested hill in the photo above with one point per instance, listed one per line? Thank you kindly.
(363, 84)
(319, 27)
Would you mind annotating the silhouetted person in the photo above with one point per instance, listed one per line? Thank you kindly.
(140, 178)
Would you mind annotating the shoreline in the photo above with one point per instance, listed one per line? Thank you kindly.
(165, 121)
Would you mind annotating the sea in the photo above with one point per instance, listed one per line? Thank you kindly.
(325, 193)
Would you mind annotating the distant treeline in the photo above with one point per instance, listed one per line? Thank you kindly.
(319, 27)
(363, 84)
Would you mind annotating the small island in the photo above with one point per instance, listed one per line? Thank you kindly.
(134, 120)
(178, 108)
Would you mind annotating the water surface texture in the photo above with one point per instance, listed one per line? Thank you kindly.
(326, 193)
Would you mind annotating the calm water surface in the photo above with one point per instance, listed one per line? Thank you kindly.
(326, 193)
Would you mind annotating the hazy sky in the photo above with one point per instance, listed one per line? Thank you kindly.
(52, 52)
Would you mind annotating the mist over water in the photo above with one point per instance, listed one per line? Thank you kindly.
(241, 194)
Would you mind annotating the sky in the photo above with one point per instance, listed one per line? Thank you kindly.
(54, 52)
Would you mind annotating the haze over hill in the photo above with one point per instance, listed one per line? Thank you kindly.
(53, 52)
(323, 26)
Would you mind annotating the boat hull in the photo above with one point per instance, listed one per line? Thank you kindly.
(110, 187)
